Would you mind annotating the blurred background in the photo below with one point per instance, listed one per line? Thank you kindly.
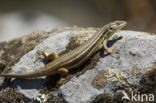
(21, 17)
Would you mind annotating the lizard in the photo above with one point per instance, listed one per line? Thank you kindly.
(74, 58)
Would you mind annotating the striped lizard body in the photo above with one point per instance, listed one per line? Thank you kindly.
(75, 57)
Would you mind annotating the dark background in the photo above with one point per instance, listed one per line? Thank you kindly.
(20, 17)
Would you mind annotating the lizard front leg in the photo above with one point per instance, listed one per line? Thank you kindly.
(49, 56)
(109, 51)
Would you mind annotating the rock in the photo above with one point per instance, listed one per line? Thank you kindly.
(134, 53)
(104, 75)
(29, 62)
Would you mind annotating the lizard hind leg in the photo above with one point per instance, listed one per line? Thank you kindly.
(63, 73)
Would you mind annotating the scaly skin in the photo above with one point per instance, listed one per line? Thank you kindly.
(75, 57)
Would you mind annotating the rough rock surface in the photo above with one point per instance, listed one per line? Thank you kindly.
(135, 52)
(45, 41)
(28, 63)
(110, 73)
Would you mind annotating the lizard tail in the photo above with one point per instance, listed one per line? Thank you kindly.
(11, 75)
(21, 76)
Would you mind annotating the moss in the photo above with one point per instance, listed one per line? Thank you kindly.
(148, 82)
(10, 95)
(15, 49)
(103, 98)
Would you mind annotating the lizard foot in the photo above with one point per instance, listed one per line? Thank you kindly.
(61, 80)
(109, 51)
(48, 56)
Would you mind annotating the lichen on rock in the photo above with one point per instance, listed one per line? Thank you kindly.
(126, 69)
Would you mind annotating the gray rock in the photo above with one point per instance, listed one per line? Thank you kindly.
(121, 69)
(55, 43)
(134, 53)
(28, 63)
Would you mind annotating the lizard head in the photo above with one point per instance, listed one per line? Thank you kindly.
(114, 27)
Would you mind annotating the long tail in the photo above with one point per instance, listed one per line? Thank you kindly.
(23, 76)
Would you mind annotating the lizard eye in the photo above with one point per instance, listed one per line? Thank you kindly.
(111, 28)
(118, 23)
